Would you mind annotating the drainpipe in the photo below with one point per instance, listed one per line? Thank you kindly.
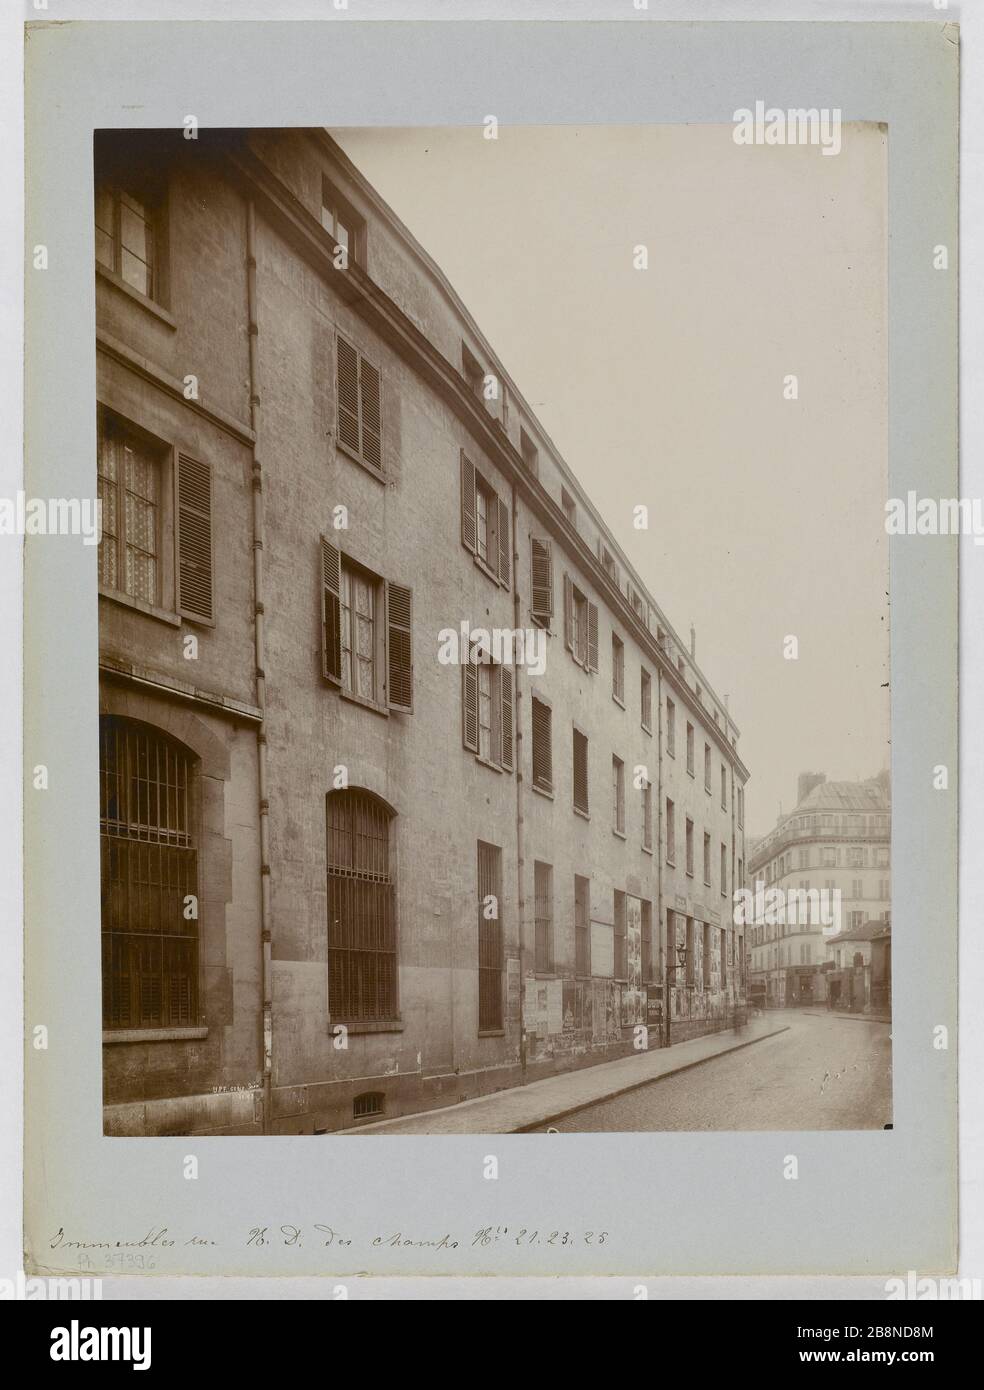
(259, 647)
(518, 758)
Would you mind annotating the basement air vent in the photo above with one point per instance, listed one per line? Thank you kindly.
(369, 1103)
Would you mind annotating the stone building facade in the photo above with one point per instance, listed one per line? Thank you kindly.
(837, 839)
(409, 789)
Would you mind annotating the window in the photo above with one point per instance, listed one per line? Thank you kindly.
(359, 429)
(368, 1104)
(148, 840)
(541, 720)
(741, 875)
(647, 816)
(608, 562)
(690, 846)
(362, 976)
(366, 633)
(618, 669)
(621, 954)
(856, 888)
(618, 796)
(803, 856)
(741, 805)
(883, 888)
(635, 599)
(707, 767)
(130, 226)
(698, 692)
(724, 958)
(724, 787)
(724, 870)
(343, 224)
(690, 749)
(541, 581)
(529, 452)
(855, 857)
(484, 523)
(647, 941)
(707, 857)
(645, 700)
(670, 727)
(828, 857)
(543, 916)
(568, 506)
(471, 370)
(580, 626)
(582, 925)
(580, 772)
(670, 833)
(131, 492)
(706, 956)
(691, 975)
(487, 712)
(489, 938)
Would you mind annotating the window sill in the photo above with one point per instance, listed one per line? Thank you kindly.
(647, 849)
(370, 468)
(646, 729)
(671, 863)
(394, 1025)
(145, 302)
(543, 791)
(619, 833)
(583, 814)
(487, 569)
(670, 754)
(149, 1035)
(492, 767)
(691, 773)
(162, 615)
(690, 873)
(491, 1032)
(618, 700)
(361, 700)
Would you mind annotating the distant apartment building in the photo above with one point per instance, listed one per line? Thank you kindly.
(829, 855)
(346, 872)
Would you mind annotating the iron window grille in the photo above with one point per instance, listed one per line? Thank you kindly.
(362, 954)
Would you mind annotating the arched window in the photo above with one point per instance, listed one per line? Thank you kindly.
(149, 874)
(361, 909)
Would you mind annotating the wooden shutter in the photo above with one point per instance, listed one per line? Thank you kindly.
(591, 663)
(580, 771)
(348, 395)
(194, 538)
(541, 581)
(568, 613)
(468, 502)
(331, 612)
(507, 714)
(469, 704)
(542, 752)
(505, 540)
(399, 647)
(369, 401)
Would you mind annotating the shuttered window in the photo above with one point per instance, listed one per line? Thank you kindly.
(621, 954)
(580, 626)
(362, 955)
(359, 426)
(488, 712)
(580, 771)
(618, 796)
(489, 937)
(670, 832)
(647, 815)
(366, 632)
(194, 539)
(541, 581)
(618, 669)
(543, 916)
(540, 720)
(645, 700)
(582, 925)
(485, 522)
(149, 877)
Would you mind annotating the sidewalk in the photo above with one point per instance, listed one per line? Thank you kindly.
(845, 1013)
(540, 1102)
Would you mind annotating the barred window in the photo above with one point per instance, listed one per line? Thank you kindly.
(361, 908)
(543, 915)
(149, 877)
(582, 925)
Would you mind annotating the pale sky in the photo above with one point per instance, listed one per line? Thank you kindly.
(665, 386)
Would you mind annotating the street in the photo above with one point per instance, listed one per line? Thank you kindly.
(826, 1072)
